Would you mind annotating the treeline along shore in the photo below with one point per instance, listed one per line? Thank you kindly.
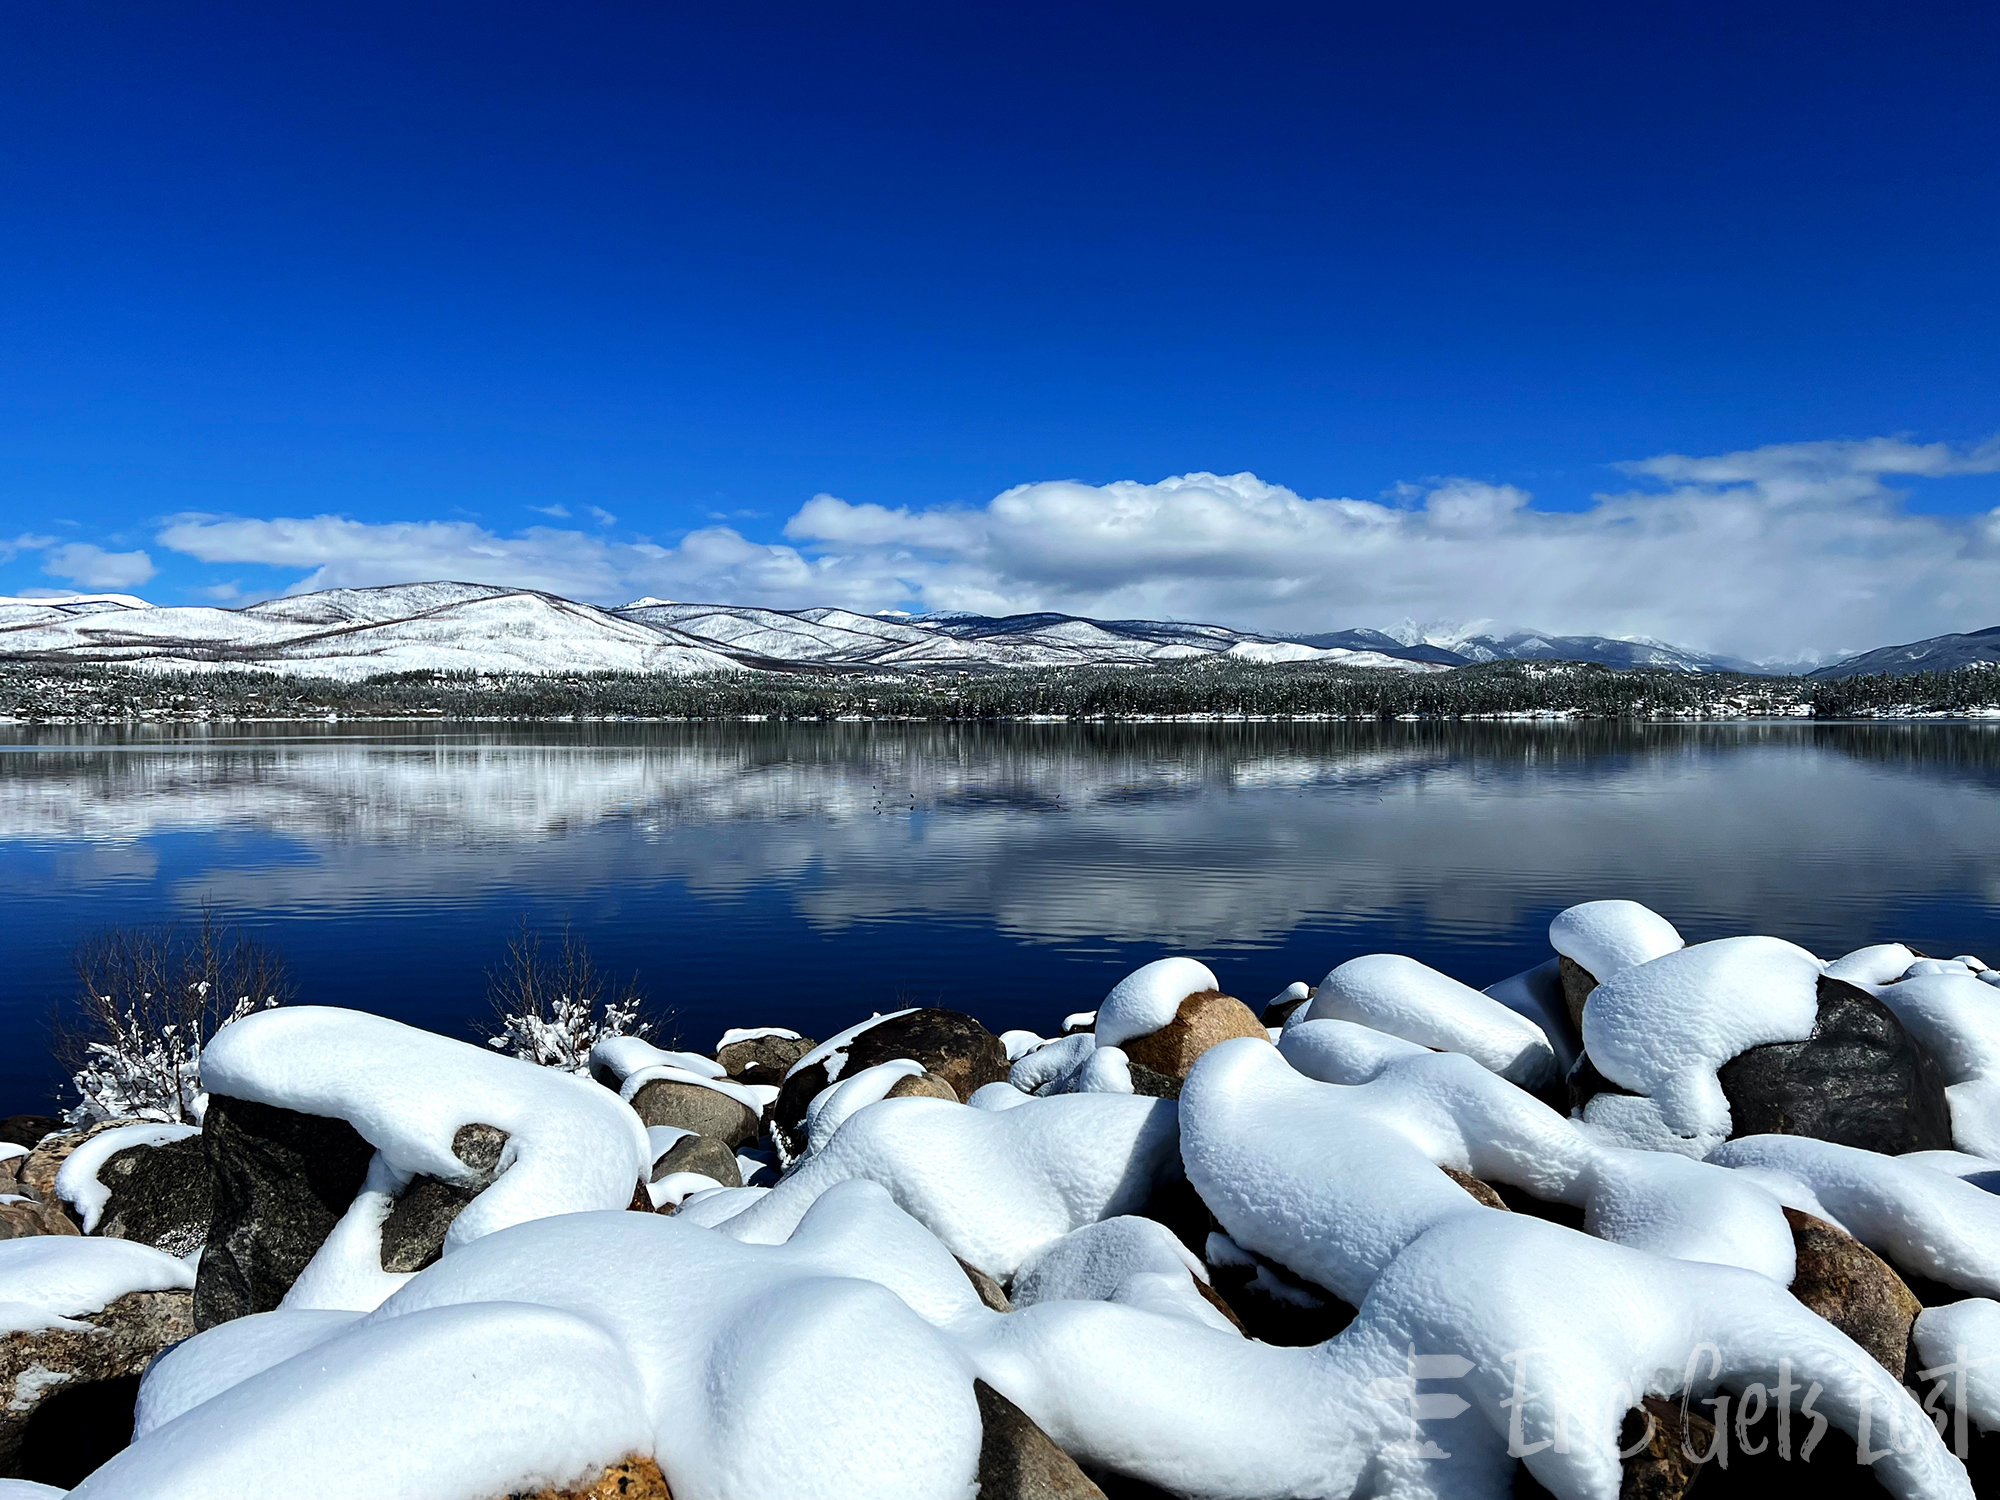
(42, 692)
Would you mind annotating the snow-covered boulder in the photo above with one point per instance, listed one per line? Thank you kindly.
(1410, 1000)
(761, 1054)
(947, 1043)
(1598, 939)
(78, 1318)
(148, 1182)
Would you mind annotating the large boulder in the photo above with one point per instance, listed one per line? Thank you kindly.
(413, 1233)
(66, 1395)
(688, 1105)
(947, 1043)
(1858, 1080)
(159, 1195)
(1203, 1020)
(282, 1181)
(1019, 1461)
(1854, 1289)
(763, 1057)
(700, 1153)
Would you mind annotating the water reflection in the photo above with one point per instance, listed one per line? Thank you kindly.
(1009, 858)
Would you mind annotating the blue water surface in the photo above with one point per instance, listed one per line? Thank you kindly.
(806, 875)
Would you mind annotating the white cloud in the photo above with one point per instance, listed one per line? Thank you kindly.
(560, 512)
(12, 547)
(602, 516)
(94, 568)
(1772, 551)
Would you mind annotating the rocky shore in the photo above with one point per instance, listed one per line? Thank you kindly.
(1647, 1215)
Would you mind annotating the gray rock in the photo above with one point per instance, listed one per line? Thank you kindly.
(690, 1106)
(946, 1042)
(1152, 1083)
(1577, 983)
(65, 1392)
(1859, 1080)
(160, 1195)
(413, 1234)
(703, 1154)
(1018, 1461)
(282, 1181)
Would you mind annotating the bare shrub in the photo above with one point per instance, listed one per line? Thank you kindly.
(148, 1000)
(552, 1004)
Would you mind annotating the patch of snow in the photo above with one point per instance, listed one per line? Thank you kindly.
(1125, 1259)
(833, 1051)
(622, 1056)
(1952, 1017)
(225, 1355)
(1958, 1341)
(830, 1108)
(1882, 963)
(1407, 999)
(1148, 998)
(49, 1280)
(1608, 937)
(737, 1034)
(572, 1145)
(1662, 1028)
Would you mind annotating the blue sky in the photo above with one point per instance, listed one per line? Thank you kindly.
(442, 288)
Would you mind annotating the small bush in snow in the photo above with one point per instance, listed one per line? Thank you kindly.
(148, 1000)
(552, 1007)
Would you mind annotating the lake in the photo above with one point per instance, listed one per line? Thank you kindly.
(806, 874)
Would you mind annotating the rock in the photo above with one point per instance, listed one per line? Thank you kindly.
(1586, 1083)
(1018, 1461)
(1577, 983)
(1280, 1011)
(27, 1130)
(690, 1106)
(1203, 1020)
(32, 1217)
(635, 1479)
(1854, 1289)
(1662, 1470)
(990, 1291)
(160, 1196)
(413, 1234)
(66, 1395)
(1859, 1080)
(1482, 1191)
(1152, 1083)
(922, 1086)
(38, 1172)
(947, 1043)
(703, 1154)
(772, 1053)
(282, 1181)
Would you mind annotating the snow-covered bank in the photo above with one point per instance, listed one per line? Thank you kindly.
(1645, 1213)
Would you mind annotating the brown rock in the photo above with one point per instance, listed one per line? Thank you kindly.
(922, 1086)
(990, 1291)
(1019, 1461)
(1203, 1019)
(1482, 1191)
(27, 1219)
(775, 1053)
(1662, 1470)
(635, 1478)
(690, 1106)
(1854, 1289)
(1577, 983)
(66, 1395)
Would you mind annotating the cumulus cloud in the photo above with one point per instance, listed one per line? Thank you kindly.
(1773, 551)
(94, 568)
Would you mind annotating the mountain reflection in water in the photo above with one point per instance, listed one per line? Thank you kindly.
(804, 874)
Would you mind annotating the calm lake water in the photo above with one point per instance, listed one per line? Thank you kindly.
(805, 875)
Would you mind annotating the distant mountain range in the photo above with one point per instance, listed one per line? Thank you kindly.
(353, 633)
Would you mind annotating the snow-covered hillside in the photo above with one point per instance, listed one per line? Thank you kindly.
(353, 633)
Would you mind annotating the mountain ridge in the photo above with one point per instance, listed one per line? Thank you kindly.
(449, 626)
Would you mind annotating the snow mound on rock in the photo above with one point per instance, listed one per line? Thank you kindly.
(1608, 937)
(49, 1280)
(1149, 998)
(1407, 999)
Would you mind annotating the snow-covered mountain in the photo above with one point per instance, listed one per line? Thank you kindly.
(1940, 653)
(352, 633)
(1459, 646)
